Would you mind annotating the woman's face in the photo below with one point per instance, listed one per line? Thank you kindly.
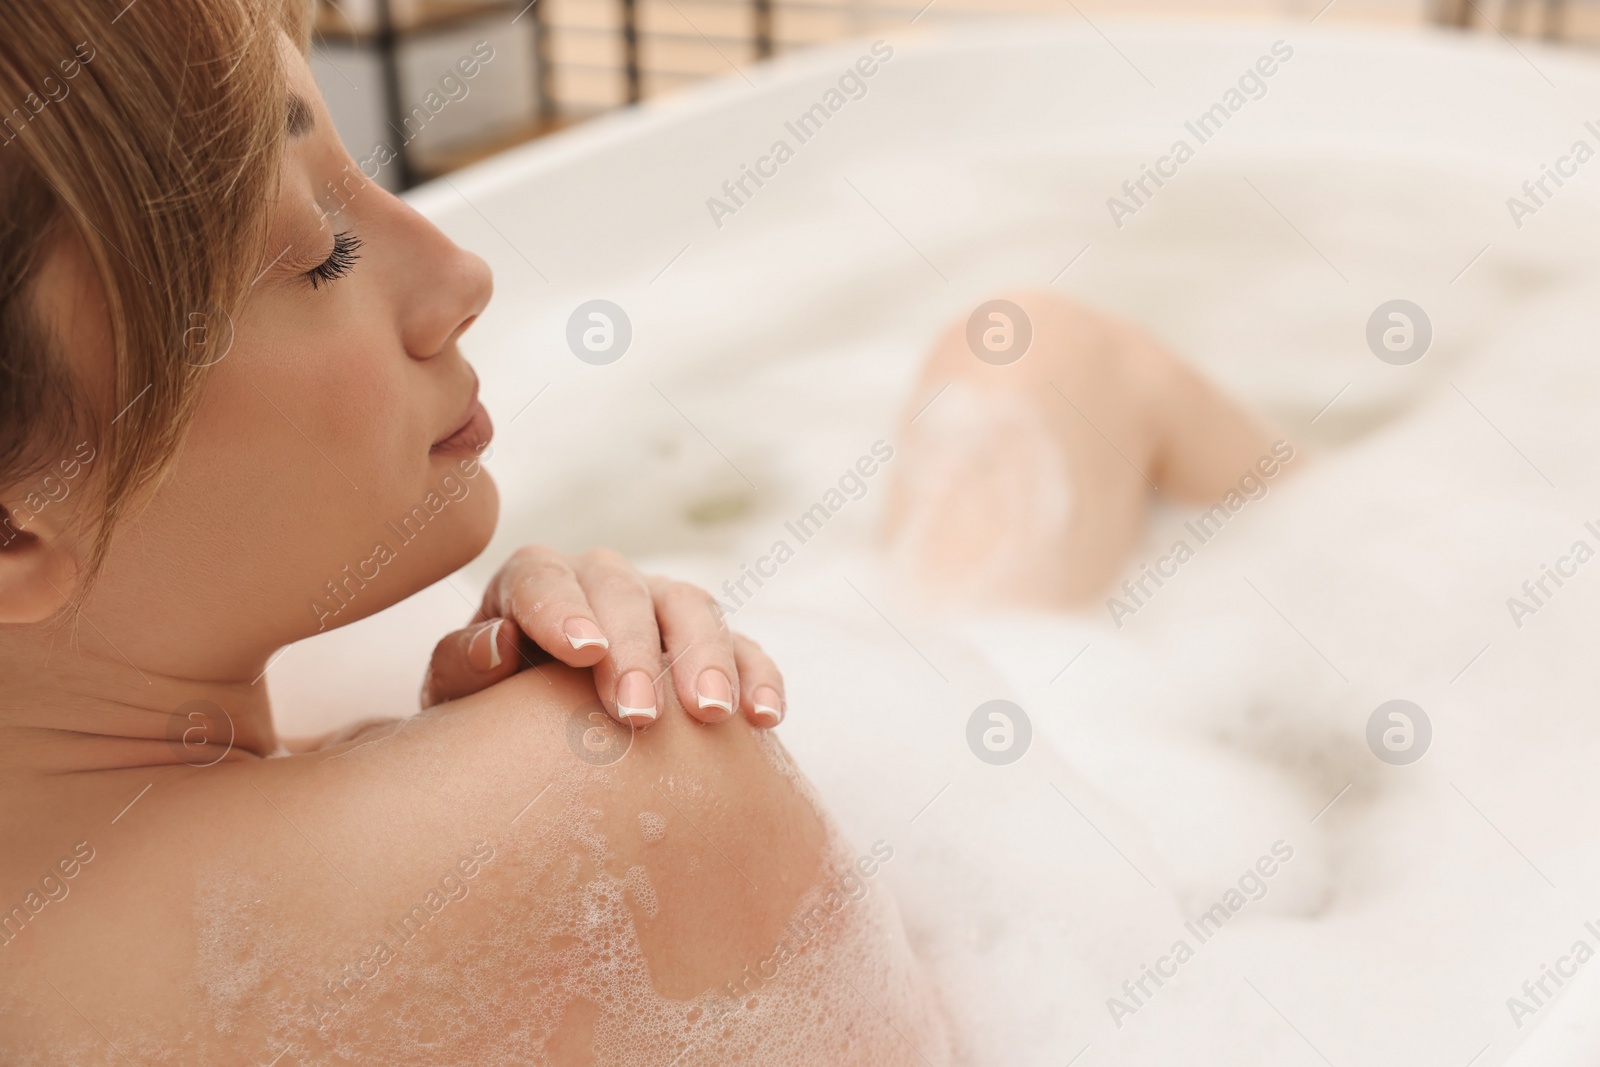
(331, 469)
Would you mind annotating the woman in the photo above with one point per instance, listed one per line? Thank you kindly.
(234, 414)
(220, 392)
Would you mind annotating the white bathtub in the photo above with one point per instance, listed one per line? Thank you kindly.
(772, 350)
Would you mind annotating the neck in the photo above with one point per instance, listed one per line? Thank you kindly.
(73, 702)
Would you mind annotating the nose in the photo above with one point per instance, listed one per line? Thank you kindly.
(448, 287)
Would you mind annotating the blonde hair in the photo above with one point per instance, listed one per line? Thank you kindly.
(153, 132)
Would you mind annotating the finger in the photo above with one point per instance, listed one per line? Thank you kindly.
(699, 647)
(469, 660)
(540, 590)
(760, 682)
(628, 678)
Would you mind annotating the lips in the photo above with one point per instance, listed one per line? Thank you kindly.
(472, 434)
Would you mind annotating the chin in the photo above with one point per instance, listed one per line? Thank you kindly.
(470, 531)
(408, 559)
(483, 521)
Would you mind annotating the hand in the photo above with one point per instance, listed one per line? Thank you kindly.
(595, 610)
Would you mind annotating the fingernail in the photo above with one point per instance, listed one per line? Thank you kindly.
(713, 690)
(581, 633)
(768, 704)
(483, 651)
(636, 697)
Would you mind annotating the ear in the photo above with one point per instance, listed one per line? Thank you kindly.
(38, 569)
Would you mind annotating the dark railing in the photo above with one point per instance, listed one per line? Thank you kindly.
(1533, 18)
(633, 45)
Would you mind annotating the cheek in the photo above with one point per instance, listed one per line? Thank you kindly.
(336, 408)
(295, 450)
(348, 393)
(303, 459)
(318, 433)
(373, 420)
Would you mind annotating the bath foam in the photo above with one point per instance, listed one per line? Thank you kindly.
(637, 883)
(989, 494)
(510, 983)
(838, 997)
(652, 826)
(227, 969)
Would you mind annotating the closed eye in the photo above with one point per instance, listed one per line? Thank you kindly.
(340, 261)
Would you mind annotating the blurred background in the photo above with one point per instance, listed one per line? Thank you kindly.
(419, 88)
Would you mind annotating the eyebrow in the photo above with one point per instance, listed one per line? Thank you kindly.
(301, 119)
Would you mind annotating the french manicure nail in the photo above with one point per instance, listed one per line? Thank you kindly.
(636, 697)
(581, 633)
(768, 704)
(483, 651)
(713, 690)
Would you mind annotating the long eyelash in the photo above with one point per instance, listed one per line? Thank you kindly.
(340, 261)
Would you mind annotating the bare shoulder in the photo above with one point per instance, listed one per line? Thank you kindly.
(504, 865)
